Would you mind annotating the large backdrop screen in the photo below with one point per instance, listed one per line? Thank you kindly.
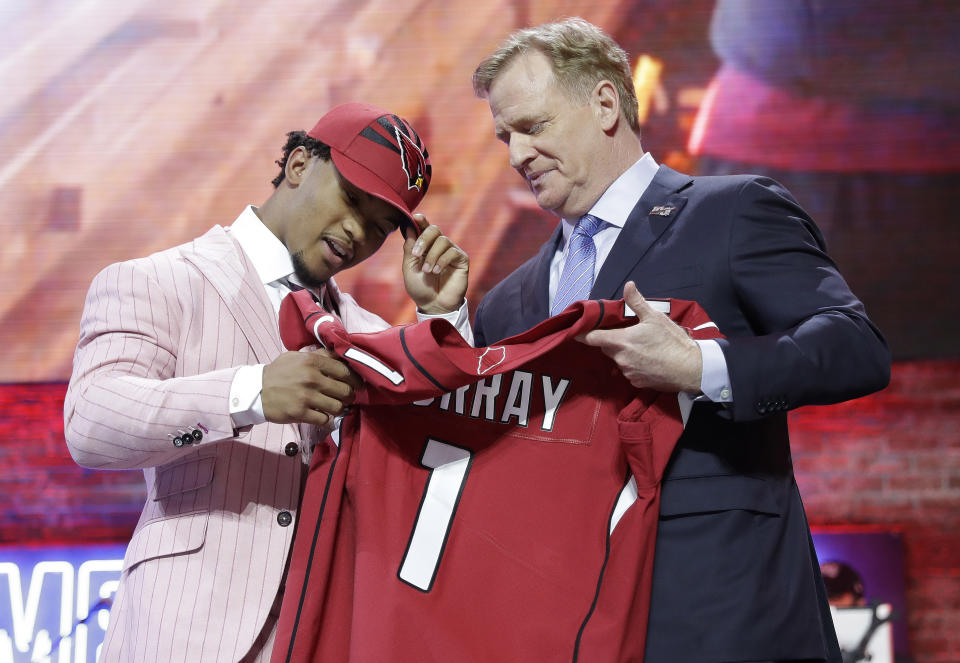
(129, 127)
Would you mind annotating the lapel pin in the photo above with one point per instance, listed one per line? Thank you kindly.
(662, 210)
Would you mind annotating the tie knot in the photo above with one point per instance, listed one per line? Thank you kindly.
(588, 225)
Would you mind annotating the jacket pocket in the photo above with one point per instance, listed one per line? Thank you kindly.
(719, 493)
(184, 477)
(167, 536)
(672, 279)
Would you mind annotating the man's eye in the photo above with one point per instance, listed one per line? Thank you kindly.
(535, 128)
(383, 228)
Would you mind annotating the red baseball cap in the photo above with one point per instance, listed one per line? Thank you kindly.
(379, 153)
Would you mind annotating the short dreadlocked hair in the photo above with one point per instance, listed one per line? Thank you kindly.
(297, 139)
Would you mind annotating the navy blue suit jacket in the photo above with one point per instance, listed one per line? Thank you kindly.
(735, 576)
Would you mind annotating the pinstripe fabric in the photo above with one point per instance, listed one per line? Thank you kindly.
(161, 338)
(576, 279)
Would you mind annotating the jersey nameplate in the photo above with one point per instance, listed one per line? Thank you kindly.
(518, 398)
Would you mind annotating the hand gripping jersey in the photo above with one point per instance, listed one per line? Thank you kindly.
(489, 504)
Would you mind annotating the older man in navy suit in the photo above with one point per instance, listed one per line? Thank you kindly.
(736, 577)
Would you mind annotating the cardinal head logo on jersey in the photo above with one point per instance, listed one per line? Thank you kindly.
(490, 359)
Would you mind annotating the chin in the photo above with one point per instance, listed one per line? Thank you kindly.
(311, 278)
(551, 203)
(546, 203)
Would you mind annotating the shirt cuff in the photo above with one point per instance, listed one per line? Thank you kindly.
(459, 319)
(246, 406)
(715, 381)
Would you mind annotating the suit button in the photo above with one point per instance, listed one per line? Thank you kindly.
(178, 442)
(197, 435)
(292, 449)
(284, 518)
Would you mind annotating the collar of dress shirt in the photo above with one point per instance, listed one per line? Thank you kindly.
(267, 253)
(616, 203)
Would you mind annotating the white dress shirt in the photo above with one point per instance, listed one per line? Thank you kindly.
(271, 260)
(613, 207)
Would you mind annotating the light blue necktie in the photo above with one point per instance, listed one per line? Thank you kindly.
(577, 276)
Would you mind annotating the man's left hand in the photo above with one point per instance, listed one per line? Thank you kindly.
(434, 270)
(656, 353)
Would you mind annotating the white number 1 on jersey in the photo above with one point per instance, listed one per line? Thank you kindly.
(449, 466)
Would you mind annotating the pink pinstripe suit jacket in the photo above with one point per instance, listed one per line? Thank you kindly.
(161, 338)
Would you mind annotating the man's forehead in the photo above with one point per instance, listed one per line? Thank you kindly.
(521, 88)
(531, 63)
(513, 106)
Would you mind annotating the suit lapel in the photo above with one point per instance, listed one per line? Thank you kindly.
(535, 287)
(221, 261)
(658, 207)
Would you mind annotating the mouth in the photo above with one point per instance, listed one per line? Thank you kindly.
(342, 251)
(535, 179)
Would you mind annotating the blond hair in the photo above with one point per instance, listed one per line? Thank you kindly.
(581, 54)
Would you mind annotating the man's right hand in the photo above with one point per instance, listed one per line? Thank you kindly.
(309, 387)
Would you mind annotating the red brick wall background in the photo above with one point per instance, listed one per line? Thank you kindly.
(44, 495)
(892, 459)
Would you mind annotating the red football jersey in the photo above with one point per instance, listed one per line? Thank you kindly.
(508, 514)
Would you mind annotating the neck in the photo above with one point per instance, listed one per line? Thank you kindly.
(626, 150)
(619, 155)
(270, 214)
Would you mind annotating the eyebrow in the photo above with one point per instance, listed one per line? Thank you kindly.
(521, 120)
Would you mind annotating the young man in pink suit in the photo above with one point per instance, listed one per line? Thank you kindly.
(180, 371)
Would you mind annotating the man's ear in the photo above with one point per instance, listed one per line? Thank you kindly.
(606, 104)
(296, 166)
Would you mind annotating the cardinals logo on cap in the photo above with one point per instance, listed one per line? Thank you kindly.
(365, 142)
(412, 154)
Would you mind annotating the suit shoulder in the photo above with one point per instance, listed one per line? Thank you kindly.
(736, 185)
(155, 264)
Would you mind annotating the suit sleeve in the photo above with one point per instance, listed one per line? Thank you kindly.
(124, 403)
(479, 336)
(814, 343)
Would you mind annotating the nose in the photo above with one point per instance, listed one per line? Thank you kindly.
(354, 226)
(521, 152)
